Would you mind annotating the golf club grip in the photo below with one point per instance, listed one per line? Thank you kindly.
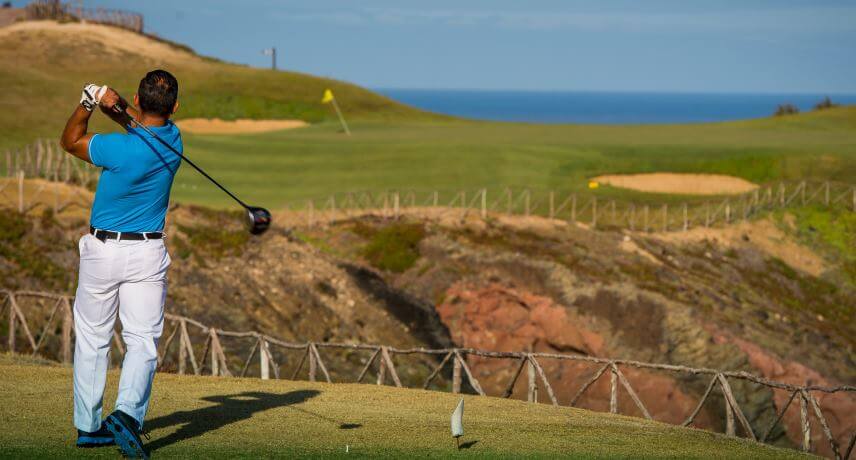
(145, 128)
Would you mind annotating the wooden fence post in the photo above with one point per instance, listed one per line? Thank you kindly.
(215, 358)
(686, 221)
(632, 217)
(707, 214)
(11, 325)
(384, 352)
(645, 229)
(532, 384)
(313, 364)
(67, 321)
(396, 205)
(484, 203)
(381, 370)
(727, 211)
(552, 204)
(853, 189)
(613, 390)
(264, 359)
(594, 212)
(21, 191)
(456, 374)
(729, 419)
(182, 351)
(805, 423)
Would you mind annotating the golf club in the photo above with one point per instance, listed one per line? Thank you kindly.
(259, 219)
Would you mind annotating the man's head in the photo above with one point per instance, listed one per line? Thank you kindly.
(158, 94)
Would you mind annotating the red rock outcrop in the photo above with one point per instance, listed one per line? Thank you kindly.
(839, 409)
(500, 318)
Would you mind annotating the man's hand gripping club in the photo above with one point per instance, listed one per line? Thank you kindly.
(75, 139)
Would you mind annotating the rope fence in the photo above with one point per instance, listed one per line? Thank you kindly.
(57, 10)
(177, 351)
(44, 159)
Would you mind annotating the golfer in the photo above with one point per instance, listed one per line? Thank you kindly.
(123, 260)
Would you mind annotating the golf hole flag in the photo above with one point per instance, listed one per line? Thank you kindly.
(328, 98)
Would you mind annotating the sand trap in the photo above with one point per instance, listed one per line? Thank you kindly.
(240, 126)
(688, 184)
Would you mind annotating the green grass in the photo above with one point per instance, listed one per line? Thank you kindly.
(832, 232)
(47, 69)
(249, 418)
(289, 167)
(394, 146)
(393, 247)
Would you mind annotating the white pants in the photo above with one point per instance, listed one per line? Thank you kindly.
(128, 276)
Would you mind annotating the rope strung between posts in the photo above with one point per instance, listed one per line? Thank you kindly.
(213, 351)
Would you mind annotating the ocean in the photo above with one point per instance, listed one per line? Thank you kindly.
(604, 107)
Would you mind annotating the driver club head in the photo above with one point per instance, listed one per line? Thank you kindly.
(258, 220)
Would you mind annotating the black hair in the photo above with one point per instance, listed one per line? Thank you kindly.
(158, 92)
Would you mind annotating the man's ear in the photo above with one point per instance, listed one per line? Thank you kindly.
(175, 107)
(136, 100)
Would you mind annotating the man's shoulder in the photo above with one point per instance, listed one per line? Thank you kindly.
(111, 138)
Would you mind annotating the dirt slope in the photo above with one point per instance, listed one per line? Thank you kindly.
(502, 284)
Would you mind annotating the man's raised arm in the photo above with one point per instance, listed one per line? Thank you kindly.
(75, 139)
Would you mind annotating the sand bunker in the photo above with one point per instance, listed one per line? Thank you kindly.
(241, 126)
(687, 184)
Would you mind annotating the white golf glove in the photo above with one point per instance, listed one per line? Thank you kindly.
(91, 96)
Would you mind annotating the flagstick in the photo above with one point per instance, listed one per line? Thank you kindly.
(341, 118)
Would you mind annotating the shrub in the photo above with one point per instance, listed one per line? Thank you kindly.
(394, 248)
(826, 103)
(786, 109)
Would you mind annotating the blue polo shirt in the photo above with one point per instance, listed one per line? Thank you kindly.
(136, 178)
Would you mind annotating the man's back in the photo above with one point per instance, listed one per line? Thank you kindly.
(133, 191)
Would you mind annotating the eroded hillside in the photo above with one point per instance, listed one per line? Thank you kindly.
(748, 297)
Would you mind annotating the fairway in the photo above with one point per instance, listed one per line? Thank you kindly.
(287, 167)
(250, 418)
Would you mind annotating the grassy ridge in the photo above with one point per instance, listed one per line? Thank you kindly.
(249, 418)
(44, 68)
(393, 146)
(290, 166)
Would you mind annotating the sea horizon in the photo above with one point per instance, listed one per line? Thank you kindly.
(605, 107)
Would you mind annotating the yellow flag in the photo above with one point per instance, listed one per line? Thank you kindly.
(593, 185)
(328, 96)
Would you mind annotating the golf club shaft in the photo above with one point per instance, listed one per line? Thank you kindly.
(151, 133)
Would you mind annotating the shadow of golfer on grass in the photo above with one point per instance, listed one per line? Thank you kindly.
(229, 409)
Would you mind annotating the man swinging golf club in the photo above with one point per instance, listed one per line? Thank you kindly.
(123, 260)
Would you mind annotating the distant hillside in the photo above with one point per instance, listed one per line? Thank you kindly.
(45, 64)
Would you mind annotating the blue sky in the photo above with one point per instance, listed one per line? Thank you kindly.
(612, 45)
